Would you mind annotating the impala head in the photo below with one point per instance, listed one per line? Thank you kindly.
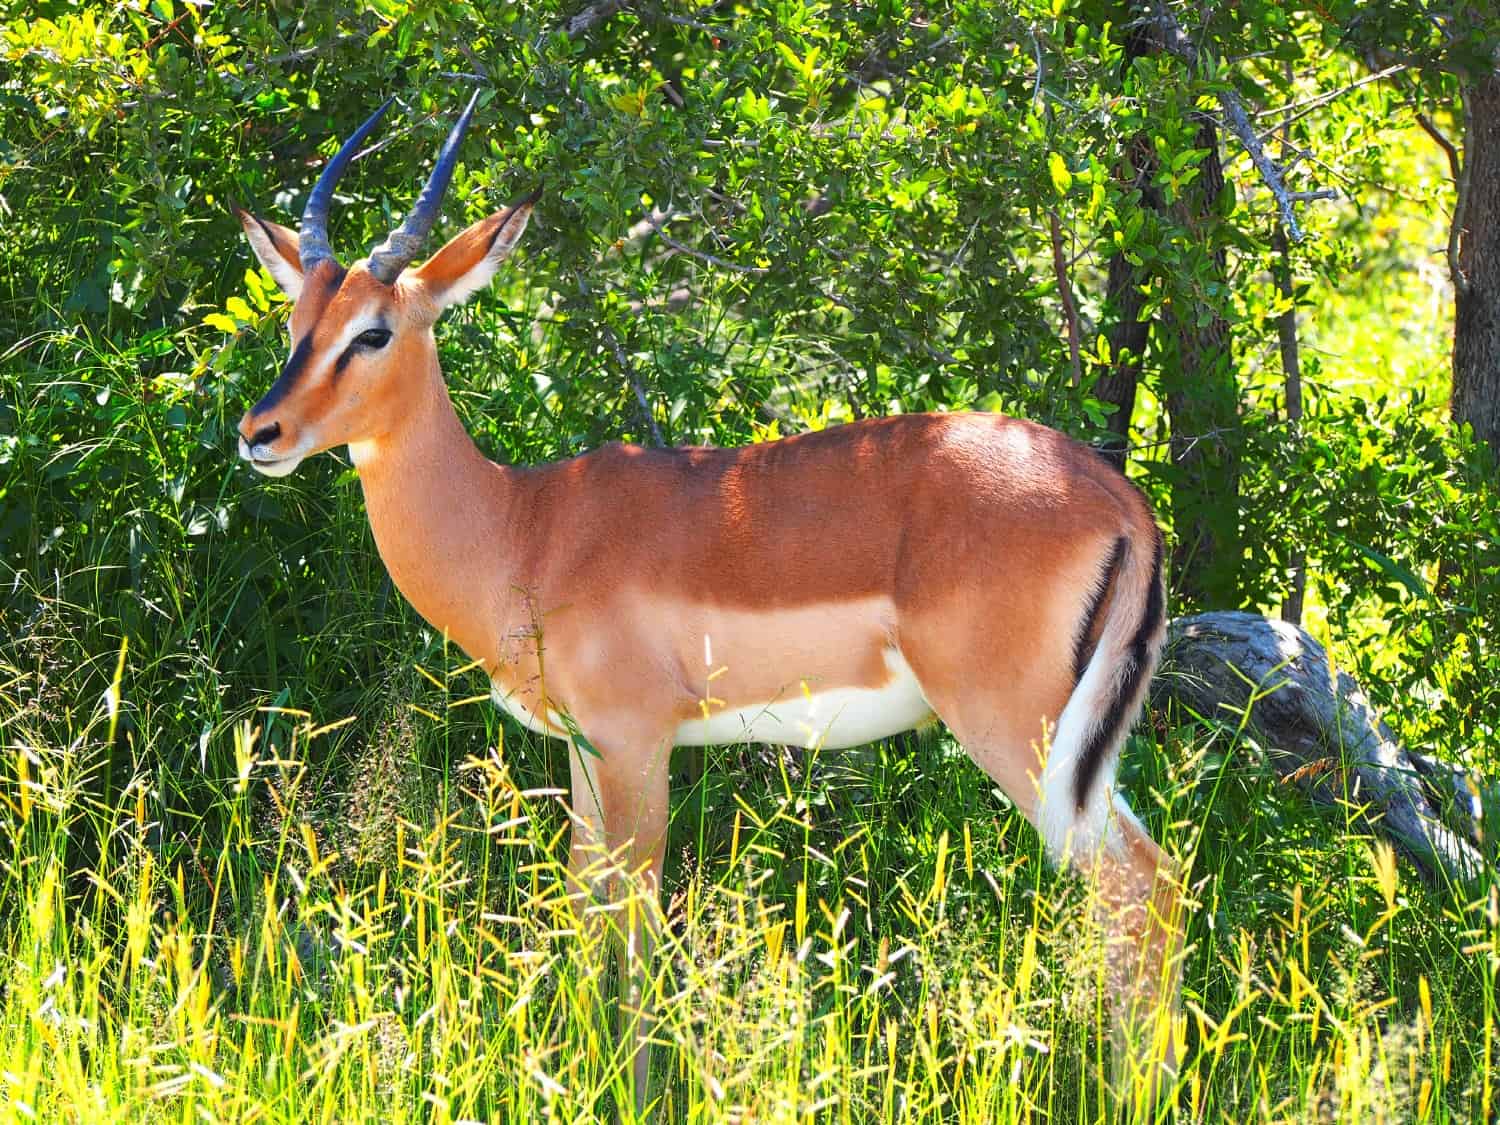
(361, 338)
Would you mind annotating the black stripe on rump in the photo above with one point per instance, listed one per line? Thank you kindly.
(1117, 716)
(1088, 637)
(289, 375)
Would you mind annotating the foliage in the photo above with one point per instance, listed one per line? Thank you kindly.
(860, 200)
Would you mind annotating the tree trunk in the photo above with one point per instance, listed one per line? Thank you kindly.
(1203, 406)
(1476, 328)
(1198, 375)
(1123, 299)
(1127, 345)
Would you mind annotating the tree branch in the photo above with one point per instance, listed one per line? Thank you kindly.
(1291, 372)
(1460, 172)
(1175, 41)
(628, 370)
(1318, 728)
(1065, 294)
(1455, 162)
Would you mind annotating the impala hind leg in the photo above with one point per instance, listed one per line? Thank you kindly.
(1138, 904)
(1136, 900)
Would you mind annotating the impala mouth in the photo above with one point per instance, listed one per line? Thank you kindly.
(263, 461)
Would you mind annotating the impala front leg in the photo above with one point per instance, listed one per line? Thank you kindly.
(637, 809)
(620, 808)
(589, 865)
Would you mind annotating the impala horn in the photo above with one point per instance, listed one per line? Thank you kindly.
(392, 256)
(312, 242)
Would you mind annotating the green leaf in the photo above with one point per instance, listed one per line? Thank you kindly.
(577, 737)
(1392, 569)
(1062, 179)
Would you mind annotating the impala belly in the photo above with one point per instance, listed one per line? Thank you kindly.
(802, 715)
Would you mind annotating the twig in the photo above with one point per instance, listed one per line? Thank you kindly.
(702, 255)
(718, 33)
(1187, 442)
(474, 60)
(1065, 294)
(628, 370)
(591, 17)
(302, 54)
(175, 25)
(395, 136)
(1036, 48)
(1307, 105)
(953, 263)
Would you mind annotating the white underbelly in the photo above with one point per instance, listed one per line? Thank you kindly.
(512, 705)
(804, 716)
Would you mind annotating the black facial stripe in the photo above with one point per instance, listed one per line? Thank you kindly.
(343, 360)
(289, 375)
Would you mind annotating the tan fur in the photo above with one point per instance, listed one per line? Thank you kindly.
(969, 543)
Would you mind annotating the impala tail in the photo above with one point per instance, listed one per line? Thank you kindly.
(1119, 641)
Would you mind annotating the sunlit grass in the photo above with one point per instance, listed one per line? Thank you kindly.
(873, 938)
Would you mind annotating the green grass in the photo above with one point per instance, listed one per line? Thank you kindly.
(376, 928)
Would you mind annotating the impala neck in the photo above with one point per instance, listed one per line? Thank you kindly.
(441, 514)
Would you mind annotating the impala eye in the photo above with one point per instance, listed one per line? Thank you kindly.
(373, 338)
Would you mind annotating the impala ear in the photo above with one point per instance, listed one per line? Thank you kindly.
(276, 247)
(465, 265)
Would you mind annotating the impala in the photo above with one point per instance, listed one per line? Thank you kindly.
(844, 586)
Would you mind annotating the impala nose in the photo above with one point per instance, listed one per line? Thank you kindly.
(266, 434)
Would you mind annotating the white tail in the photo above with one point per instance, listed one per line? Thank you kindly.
(1077, 792)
